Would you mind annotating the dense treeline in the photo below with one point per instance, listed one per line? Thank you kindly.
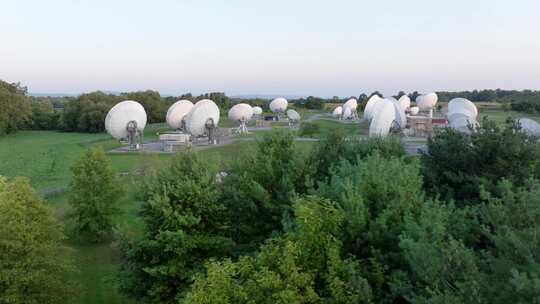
(352, 221)
(15, 108)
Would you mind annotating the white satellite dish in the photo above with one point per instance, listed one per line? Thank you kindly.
(427, 102)
(126, 120)
(405, 102)
(400, 116)
(368, 110)
(278, 105)
(456, 115)
(241, 113)
(529, 126)
(203, 119)
(337, 112)
(462, 105)
(347, 113)
(294, 117)
(414, 110)
(177, 112)
(382, 120)
(461, 122)
(257, 111)
(353, 104)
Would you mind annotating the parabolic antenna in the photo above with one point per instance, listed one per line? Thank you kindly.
(241, 113)
(347, 113)
(126, 120)
(337, 111)
(177, 112)
(351, 103)
(368, 110)
(462, 105)
(529, 126)
(405, 102)
(203, 118)
(257, 110)
(455, 115)
(427, 102)
(293, 115)
(278, 105)
(382, 120)
(462, 123)
(376, 107)
(400, 116)
(414, 110)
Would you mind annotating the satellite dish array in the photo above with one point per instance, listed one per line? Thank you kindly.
(462, 114)
(127, 119)
(385, 114)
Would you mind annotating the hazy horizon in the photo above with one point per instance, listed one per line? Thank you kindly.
(281, 47)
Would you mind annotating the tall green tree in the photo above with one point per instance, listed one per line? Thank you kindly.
(94, 194)
(303, 266)
(456, 165)
(34, 262)
(154, 106)
(15, 108)
(185, 224)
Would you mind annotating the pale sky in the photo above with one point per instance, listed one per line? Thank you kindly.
(303, 47)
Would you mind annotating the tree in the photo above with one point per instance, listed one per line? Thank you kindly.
(456, 164)
(95, 191)
(44, 116)
(87, 112)
(33, 260)
(501, 267)
(303, 266)
(185, 224)
(15, 108)
(152, 103)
